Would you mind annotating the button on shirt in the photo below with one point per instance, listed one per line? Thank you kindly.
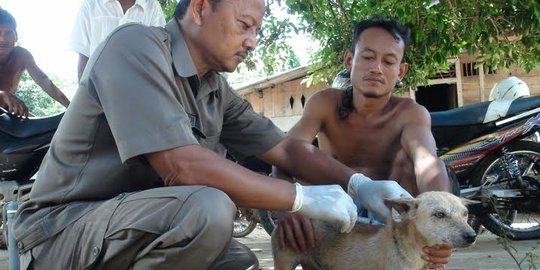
(98, 18)
(144, 98)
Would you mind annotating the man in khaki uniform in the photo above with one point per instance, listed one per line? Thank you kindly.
(135, 177)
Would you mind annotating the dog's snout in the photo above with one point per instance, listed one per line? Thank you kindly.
(469, 236)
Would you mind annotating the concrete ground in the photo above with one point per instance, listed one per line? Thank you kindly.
(486, 254)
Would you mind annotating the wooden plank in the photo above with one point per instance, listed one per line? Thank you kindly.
(481, 79)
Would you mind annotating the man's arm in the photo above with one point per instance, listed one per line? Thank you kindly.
(81, 65)
(308, 163)
(13, 104)
(419, 144)
(309, 125)
(194, 165)
(430, 171)
(43, 81)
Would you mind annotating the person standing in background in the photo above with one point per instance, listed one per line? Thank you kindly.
(98, 18)
(14, 60)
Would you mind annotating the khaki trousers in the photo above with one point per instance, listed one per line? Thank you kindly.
(188, 227)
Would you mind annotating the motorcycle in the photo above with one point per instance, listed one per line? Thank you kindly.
(23, 144)
(493, 149)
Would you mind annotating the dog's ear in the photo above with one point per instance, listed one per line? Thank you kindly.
(402, 205)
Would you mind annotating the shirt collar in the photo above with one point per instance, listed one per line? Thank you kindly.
(183, 63)
(139, 3)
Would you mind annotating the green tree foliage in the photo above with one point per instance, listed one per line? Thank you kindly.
(500, 32)
(273, 49)
(168, 7)
(37, 101)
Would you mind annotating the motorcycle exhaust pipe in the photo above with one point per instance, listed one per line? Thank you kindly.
(469, 193)
(475, 192)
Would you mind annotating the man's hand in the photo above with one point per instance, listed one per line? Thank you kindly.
(13, 104)
(296, 232)
(326, 202)
(437, 256)
(371, 194)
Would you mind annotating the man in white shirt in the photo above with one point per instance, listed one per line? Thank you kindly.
(98, 18)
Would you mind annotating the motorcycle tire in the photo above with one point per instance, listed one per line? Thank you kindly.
(243, 224)
(508, 222)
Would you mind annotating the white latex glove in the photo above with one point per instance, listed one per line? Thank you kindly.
(371, 194)
(326, 202)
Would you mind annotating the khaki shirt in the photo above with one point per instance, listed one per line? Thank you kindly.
(139, 94)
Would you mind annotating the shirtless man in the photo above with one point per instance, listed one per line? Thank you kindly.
(14, 60)
(369, 129)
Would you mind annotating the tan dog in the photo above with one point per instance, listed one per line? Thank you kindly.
(432, 218)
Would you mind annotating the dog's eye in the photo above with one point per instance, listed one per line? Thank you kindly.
(439, 214)
(465, 213)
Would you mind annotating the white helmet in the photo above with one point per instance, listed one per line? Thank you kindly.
(509, 89)
(342, 80)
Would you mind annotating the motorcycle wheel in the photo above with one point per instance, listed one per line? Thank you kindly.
(244, 223)
(268, 220)
(509, 221)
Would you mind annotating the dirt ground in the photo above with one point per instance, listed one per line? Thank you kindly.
(484, 254)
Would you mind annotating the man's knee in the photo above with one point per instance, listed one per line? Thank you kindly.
(218, 209)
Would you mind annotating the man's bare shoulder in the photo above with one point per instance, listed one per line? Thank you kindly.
(410, 109)
(406, 103)
(329, 96)
(323, 103)
(22, 55)
(20, 51)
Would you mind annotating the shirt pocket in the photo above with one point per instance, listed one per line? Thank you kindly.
(210, 142)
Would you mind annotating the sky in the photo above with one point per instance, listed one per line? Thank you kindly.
(44, 28)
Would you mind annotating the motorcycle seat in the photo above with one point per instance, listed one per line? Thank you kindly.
(25, 128)
(523, 104)
(474, 114)
(467, 115)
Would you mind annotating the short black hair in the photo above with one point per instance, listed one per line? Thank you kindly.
(7, 18)
(392, 26)
(183, 5)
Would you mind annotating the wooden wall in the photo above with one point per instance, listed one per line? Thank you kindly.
(276, 101)
(471, 84)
